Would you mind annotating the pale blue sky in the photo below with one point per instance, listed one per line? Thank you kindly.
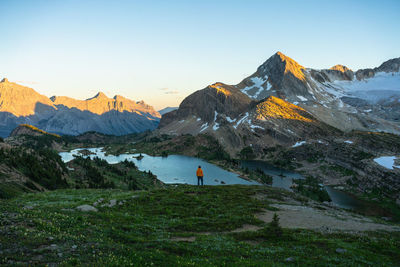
(161, 51)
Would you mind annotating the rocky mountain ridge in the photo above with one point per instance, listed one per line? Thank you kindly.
(350, 96)
(100, 104)
(325, 95)
(65, 115)
(324, 123)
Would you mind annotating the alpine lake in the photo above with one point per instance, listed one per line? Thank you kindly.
(179, 169)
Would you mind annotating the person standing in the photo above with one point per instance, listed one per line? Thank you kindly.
(200, 175)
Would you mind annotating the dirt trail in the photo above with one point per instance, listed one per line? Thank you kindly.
(246, 227)
(294, 216)
(307, 217)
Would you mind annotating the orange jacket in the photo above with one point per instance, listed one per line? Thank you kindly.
(199, 172)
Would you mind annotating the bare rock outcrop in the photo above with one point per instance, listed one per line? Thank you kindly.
(284, 101)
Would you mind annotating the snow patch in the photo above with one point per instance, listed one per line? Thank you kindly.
(198, 119)
(252, 126)
(300, 143)
(216, 125)
(382, 86)
(348, 142)
(240, 121)
(302, 98)
(257, 83)
(262, 89)
(204, 127)
(290, 131)
(387, 162)
(229, 119)
(256, 126)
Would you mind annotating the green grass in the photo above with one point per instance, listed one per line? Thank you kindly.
(10, 190)
(379, 205)
(141, 231)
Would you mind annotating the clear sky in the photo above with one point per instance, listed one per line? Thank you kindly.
(161, 51)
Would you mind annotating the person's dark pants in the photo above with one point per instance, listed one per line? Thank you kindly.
(199, 178)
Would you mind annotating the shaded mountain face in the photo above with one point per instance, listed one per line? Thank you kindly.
(204, 104)
(237, 122)
(166, 110)
(64, 115)
(283, 102)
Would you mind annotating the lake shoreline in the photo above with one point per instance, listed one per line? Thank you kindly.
(167, 169)
(285, 179)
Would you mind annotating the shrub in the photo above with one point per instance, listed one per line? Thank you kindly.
(274, 229)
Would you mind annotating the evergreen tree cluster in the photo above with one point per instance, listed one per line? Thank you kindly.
(42, 166)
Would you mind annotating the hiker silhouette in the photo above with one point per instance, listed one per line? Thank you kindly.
(200, 175)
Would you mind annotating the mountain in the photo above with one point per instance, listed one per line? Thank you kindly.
(364, 100)
(327, 124)
(22, 101)
(283, 102)
(101, 104)
(64, 115)
(166, 110)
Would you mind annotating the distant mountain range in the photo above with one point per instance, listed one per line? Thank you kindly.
(65, 115)
(284, 102)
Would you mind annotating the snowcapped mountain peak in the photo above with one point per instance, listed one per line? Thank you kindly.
(283, 101)
(280, 76)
